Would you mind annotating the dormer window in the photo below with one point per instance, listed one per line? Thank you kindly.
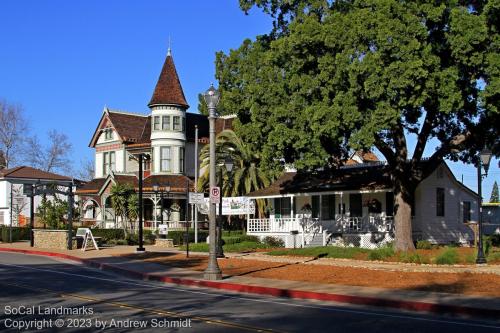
(108, 134)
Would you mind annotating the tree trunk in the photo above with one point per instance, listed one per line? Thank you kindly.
(403, 196)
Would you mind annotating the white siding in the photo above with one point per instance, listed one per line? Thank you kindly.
(98, 165)
(119, 167)
(102, 138)
(447, 228)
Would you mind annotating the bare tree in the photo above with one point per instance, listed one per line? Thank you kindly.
(13, 128)
(53, 157)
(87, 170)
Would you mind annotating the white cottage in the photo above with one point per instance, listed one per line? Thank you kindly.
(354, 206)
(14, 204)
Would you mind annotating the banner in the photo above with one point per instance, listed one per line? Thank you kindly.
(231, 206)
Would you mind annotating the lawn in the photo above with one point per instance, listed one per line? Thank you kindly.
(439, 255)
(244, 246)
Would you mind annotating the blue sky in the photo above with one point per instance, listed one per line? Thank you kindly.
(65, 60)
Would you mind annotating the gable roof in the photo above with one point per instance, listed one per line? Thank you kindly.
(130, 127)
(168, 89)
(363, 177)
(26, 172)
(177, 183)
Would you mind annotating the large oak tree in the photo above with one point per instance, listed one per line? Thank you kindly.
(338, 75)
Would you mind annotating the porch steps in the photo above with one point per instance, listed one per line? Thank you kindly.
(318, 240)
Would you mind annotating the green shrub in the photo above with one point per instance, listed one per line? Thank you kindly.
(424, 245)
(448, 257)
(230, 233)
(232, 239)
(321, 251)
(495, 239)
(18, 233)
(108, 234)
(273, 241)
(117, 242)
(413, 257)
(178, 236)
(381, 253)
(250, 238)
(487, 244)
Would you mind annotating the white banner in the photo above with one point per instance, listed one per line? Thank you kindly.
(231, 206)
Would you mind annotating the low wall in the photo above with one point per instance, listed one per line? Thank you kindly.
(51, 239)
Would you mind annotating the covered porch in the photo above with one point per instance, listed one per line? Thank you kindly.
(326, 218)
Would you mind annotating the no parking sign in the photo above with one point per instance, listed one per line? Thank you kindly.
(215, 195)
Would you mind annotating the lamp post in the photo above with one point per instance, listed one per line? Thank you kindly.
(485, 158)
(228, 163)
(213, 271)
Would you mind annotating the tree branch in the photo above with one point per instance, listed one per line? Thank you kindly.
(385, 149)
(422, 138)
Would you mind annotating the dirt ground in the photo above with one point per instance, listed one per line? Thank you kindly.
(460, 283)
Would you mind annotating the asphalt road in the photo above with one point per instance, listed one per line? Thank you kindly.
(80, 299)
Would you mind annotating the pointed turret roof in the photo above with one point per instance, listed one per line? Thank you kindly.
(168, 90)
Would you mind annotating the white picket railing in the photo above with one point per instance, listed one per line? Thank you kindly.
(313, 225)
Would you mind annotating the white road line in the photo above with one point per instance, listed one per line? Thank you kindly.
(261, 300)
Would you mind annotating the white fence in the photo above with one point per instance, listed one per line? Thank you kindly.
(341, 224)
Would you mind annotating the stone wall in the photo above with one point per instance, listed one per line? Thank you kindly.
(51, 239)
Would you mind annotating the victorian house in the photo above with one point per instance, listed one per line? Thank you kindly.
(166, 136)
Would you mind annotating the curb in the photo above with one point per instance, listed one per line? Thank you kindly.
(417, 306)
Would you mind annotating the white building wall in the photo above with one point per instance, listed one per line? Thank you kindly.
(120, 167)
(447, 228)
(98, 165)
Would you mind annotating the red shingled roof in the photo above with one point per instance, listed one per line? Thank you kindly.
(168, 90)
(25, 172)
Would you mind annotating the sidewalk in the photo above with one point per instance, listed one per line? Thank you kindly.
(111, 259)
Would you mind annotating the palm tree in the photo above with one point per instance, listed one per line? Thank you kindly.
(122, 202)
(246, 176)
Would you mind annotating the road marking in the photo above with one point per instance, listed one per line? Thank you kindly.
(331, 309)
(150, 310)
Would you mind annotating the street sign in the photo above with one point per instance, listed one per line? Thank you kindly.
(163, 229)
(215, 195)
(196, 198)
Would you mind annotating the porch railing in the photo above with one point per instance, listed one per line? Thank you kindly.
(342, 224)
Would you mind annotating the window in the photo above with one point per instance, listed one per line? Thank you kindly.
(183, 124)
(439, 201)
(177, 123)
(108, 134)
(165, 159)
(283, 207)
(355, 205)
(181, 159)
(328, 207)
(165, 123)
(389, 203)
(466, 206)
(109, 162)
(156, 123)
(315, 206)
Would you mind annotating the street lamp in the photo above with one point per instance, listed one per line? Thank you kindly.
(213, 271)
(228, 163)
(484, 159)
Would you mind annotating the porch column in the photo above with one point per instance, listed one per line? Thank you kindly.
(292, 213)
(155, 202)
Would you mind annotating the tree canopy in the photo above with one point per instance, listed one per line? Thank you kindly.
(339, 75)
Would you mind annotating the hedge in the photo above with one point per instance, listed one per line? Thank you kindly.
(18, 233)
(108, 234)
(178, 236)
